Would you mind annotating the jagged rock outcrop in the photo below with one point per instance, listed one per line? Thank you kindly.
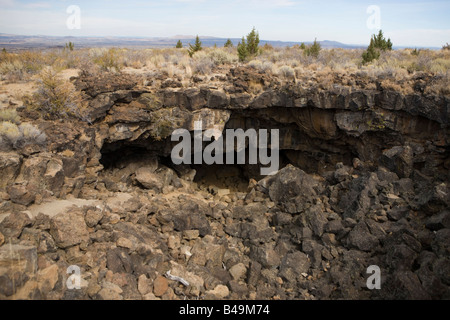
(364, 181)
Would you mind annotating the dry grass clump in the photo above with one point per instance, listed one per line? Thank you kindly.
(10, 115)
(163, 123)
(13, 136)
(23, 65)
(262, 66)
(110, 60)
(286, 72)
(204, 61)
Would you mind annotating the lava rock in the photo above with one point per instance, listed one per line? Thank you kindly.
(238, 271)
(292, 188)
(439, 221)
(361, 238)
(93, 217)
(254, 273)
(400, 257)
(21, 194)
(265, 255)
(69, 229)
(160, 286)
(9, 167)
(398, 160)
(293, 265)
(315, 219)
(117, 260)
(406, 285)
(13, 225)
(148, 179)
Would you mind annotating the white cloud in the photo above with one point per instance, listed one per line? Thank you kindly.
(34, 22)
(31, 5)
(275, 3)
(7, 3)
(37, 5)
(31, 21)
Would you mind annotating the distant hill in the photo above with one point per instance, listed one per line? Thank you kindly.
(11, 41)
(39, 41)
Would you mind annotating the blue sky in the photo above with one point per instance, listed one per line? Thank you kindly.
(407, 23)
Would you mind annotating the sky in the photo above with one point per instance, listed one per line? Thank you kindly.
(407, 23)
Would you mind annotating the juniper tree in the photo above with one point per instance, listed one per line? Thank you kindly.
(381, 43)
(314, 49)
(196, 47)
(179, 45)
(377, 44)
(250, 47)
(371, 53)
(253, 42)
(242, 50)
(69, 46)
(228, 44)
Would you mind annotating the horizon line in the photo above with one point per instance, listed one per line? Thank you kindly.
(174, 38)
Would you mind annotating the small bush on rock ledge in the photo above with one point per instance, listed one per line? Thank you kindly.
(13, 136)
(55, 98)
(9, 115)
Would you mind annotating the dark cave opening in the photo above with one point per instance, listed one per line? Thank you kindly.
(122, 155)
(299, 146)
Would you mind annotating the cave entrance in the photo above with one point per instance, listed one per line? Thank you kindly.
(230, 177)
(118, 156)
(121, 160)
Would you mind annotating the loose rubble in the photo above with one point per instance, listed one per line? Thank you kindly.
(347, 197)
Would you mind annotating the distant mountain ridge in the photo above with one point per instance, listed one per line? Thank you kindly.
(13, 41)
(41, 41)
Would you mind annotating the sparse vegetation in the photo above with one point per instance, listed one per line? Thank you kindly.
(13, 136)
(55, 98)
(313, 50)
(242, 50)
(286, 72)
(196, 47)
(377, 45)
(219, 56)
(109, 60)
(10, 115)
(151, 101)
(69, 46)
(20, 66)
(309, 64)
(267, 46)
(253, 42)
(249, 48)
(228, 44)
(163, 124)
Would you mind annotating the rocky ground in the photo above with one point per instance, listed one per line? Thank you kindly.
(365, 181)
